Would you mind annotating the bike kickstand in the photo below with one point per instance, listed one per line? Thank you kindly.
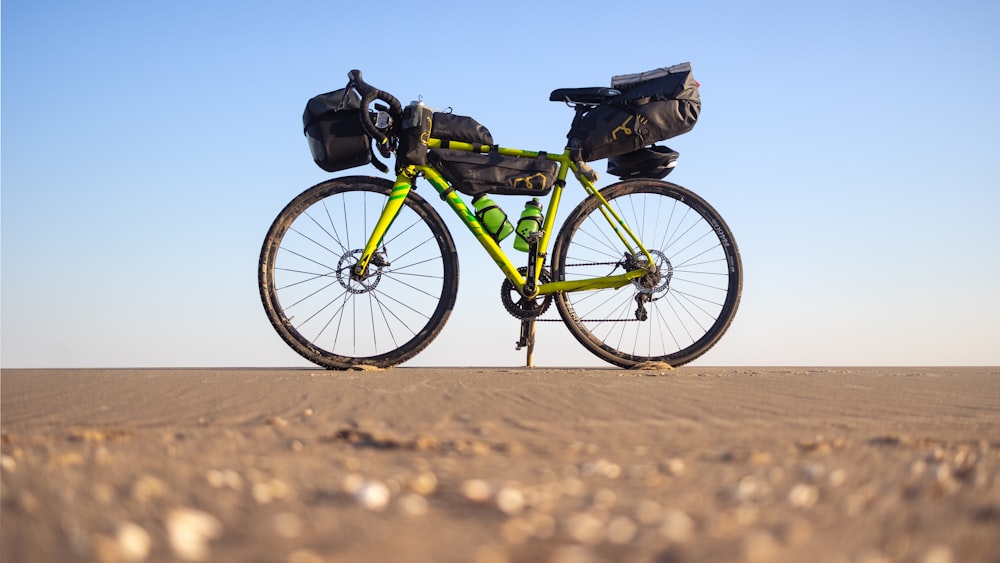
(528, 341)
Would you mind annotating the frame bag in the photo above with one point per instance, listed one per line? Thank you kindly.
(332, 125)
(451, 127)
(652, 106)
(477, 173)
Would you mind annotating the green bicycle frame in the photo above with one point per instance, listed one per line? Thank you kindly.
(404, 182)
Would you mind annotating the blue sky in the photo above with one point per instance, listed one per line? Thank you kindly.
(147, 146)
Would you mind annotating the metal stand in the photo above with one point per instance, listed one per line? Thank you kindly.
(528, 341)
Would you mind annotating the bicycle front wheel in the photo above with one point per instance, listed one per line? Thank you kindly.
(674, 314)
(331, 317)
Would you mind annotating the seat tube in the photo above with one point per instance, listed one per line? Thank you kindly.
(400, 189)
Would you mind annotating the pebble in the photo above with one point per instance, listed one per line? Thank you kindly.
(147, 488)
(189, 531)
(510, 500)
(133, 542)
(621, 530)
(585, 528)
(477, 490)
(373, 495)
(8, 463)
(648, 512)
(424, 484)
(222, 479)
(677, 526)
(803, 495)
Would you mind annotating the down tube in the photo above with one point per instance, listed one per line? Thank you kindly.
(474, 226)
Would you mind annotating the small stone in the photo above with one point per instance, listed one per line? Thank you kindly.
(621, 530)
(510, 500)
(413, 504)
(147, 488)
(648, 512)
(677, 526)
(543, 526)
(676, 467)
(352, 483)
(277, 421)
(8, 463)
(516, 531)
(837, 478)
(133, 542)
(189, 532)
(424, 483)
(803, 496)
(585, 528)
(373, 495)
(477, 490)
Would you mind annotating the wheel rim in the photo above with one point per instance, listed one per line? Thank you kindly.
(336, 318)
(673, 314)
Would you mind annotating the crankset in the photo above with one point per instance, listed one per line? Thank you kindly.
(520, 306)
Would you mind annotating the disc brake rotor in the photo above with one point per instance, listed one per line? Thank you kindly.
(345, 269)
(657, 282)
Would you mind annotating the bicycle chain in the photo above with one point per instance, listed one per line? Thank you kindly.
(559, 320)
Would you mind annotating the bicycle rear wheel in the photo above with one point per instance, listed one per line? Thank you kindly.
(673, 315)
(334, 319)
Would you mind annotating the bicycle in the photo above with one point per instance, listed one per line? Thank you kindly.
(362, 271)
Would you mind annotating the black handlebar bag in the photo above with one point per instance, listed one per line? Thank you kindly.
(652, 106)
(332, 125)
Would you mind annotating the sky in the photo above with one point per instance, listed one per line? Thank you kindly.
(851, 146)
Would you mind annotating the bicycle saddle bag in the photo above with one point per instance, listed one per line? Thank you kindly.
(652, 106)
(478, 173)
(332, 125)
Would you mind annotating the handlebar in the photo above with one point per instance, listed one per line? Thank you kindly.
(369, 94)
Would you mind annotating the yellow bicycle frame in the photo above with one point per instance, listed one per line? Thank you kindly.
(404, 182)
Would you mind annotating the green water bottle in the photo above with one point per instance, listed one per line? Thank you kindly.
(492, 218)
(531, 221)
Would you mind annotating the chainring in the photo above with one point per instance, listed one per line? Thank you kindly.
(524, 308)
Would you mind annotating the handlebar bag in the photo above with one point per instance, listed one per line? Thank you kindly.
(332, 125)
(478, 173)
(653, 106)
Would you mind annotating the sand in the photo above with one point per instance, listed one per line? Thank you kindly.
(490, 465)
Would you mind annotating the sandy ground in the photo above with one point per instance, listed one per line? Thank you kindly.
(501, 465)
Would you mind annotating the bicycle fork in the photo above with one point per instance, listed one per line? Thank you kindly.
(370, 254)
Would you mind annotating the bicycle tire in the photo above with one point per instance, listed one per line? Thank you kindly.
(335, 320)
(692, 302)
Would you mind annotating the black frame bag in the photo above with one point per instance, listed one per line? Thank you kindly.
(477, 173)
(332, 125)
(651, 107)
